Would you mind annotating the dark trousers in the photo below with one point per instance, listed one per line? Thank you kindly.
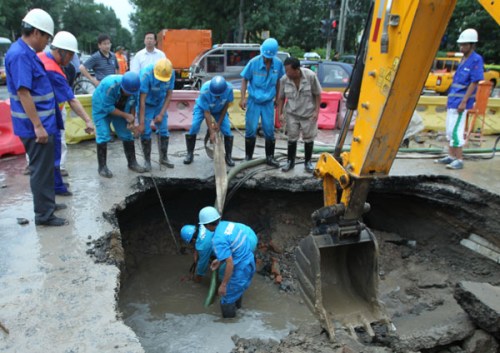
(41, 177)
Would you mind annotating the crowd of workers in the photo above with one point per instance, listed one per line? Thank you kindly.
(136, 101)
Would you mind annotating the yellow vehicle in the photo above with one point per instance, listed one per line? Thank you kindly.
(443, 69)
(337, 263)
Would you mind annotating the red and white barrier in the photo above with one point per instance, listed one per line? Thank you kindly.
(328, 110)
(9, 143)
(180, 109)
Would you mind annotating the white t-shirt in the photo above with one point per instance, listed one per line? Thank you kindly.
(144, 58)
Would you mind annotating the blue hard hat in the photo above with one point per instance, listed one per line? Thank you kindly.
(208, 215)
(187, 233)
(131, 82)
(269, 48)
(218, 85)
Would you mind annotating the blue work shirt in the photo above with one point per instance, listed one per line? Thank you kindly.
(206, 101)
(25, 70)
(203, 246)
(62, 89)
(155, 89)
(107, 94)
(236, 240)
(261, 83)
(468, 71)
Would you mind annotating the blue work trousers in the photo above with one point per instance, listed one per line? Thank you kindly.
(161, 128)
(103, 130)
(239, 282)
(254, 111)
(199, 117)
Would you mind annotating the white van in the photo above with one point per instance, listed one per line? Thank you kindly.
(227, 60)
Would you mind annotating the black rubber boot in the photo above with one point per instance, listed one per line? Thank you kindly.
(270, 154)
(228, 310)
(102, 150)
(146, 149)
(239, 302)
(308, 151)
(249, 148)
(190, 143)
(228, 145)
(129, 149)
(164, 152)
(292, 151)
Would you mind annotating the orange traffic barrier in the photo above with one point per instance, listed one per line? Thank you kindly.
(9, 143)
(328, 110)
(180, 109)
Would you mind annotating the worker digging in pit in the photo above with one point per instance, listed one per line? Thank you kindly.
(114, 101)
(62, 49)
(212, 104)
(157, 85)
(234, 245)
(461, 97)
(262, 77)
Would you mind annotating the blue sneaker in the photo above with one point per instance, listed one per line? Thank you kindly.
(456, 164)
(445, 160)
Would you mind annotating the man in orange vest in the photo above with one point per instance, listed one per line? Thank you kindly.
(63, 48)
(122, 60)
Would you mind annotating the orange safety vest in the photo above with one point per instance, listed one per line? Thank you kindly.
(51, 65)
(122, 63)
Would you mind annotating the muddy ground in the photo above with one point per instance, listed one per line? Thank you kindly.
(421, 260)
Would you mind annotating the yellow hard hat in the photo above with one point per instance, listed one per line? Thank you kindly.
(163, 70)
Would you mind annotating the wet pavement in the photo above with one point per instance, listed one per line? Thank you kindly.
(54, 298)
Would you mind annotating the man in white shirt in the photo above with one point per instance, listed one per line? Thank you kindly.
(148, 55)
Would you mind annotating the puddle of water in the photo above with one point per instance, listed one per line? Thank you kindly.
(166, 310)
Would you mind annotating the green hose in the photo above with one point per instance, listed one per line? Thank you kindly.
(233, 172)
(211, 291)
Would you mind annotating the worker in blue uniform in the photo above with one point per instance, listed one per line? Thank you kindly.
(62, 49)
(461, 97)
(234, 245)
(212, 104)
(202, 247)
(114, 101)
(262, 77)
(157, 85)
(33, 110)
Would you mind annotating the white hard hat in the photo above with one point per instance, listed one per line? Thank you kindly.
(468, 36)
(65, 40)
(40, 20)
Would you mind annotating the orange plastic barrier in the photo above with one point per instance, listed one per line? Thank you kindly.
(180, 109)
(9, 143)
(328, 110)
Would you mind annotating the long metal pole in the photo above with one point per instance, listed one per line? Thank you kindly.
(329, 40)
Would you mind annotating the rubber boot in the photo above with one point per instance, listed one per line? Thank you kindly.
(164, 152)
(292, 151)
(228, 145)
(249, 148)
(190, 143)
(270, 154)
(308, 151)
(146, 149)
(102, 150)
(129, 149)
(239, 302)
(228, 310)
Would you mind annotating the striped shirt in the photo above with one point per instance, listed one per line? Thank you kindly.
(101, 65)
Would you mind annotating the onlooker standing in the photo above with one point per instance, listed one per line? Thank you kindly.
(33, 108)
(122, 60)
(461, 97)
(302, 91)
(103, 61)
(147, 56)
(157, 84)
(262, 75)
(62, 49)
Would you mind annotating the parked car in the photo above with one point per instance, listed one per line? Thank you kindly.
(441, 76)
(227, 59)
(332, 75)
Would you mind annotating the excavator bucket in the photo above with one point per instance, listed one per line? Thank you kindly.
(339, 280)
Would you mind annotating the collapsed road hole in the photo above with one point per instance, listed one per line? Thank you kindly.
(418, 221)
